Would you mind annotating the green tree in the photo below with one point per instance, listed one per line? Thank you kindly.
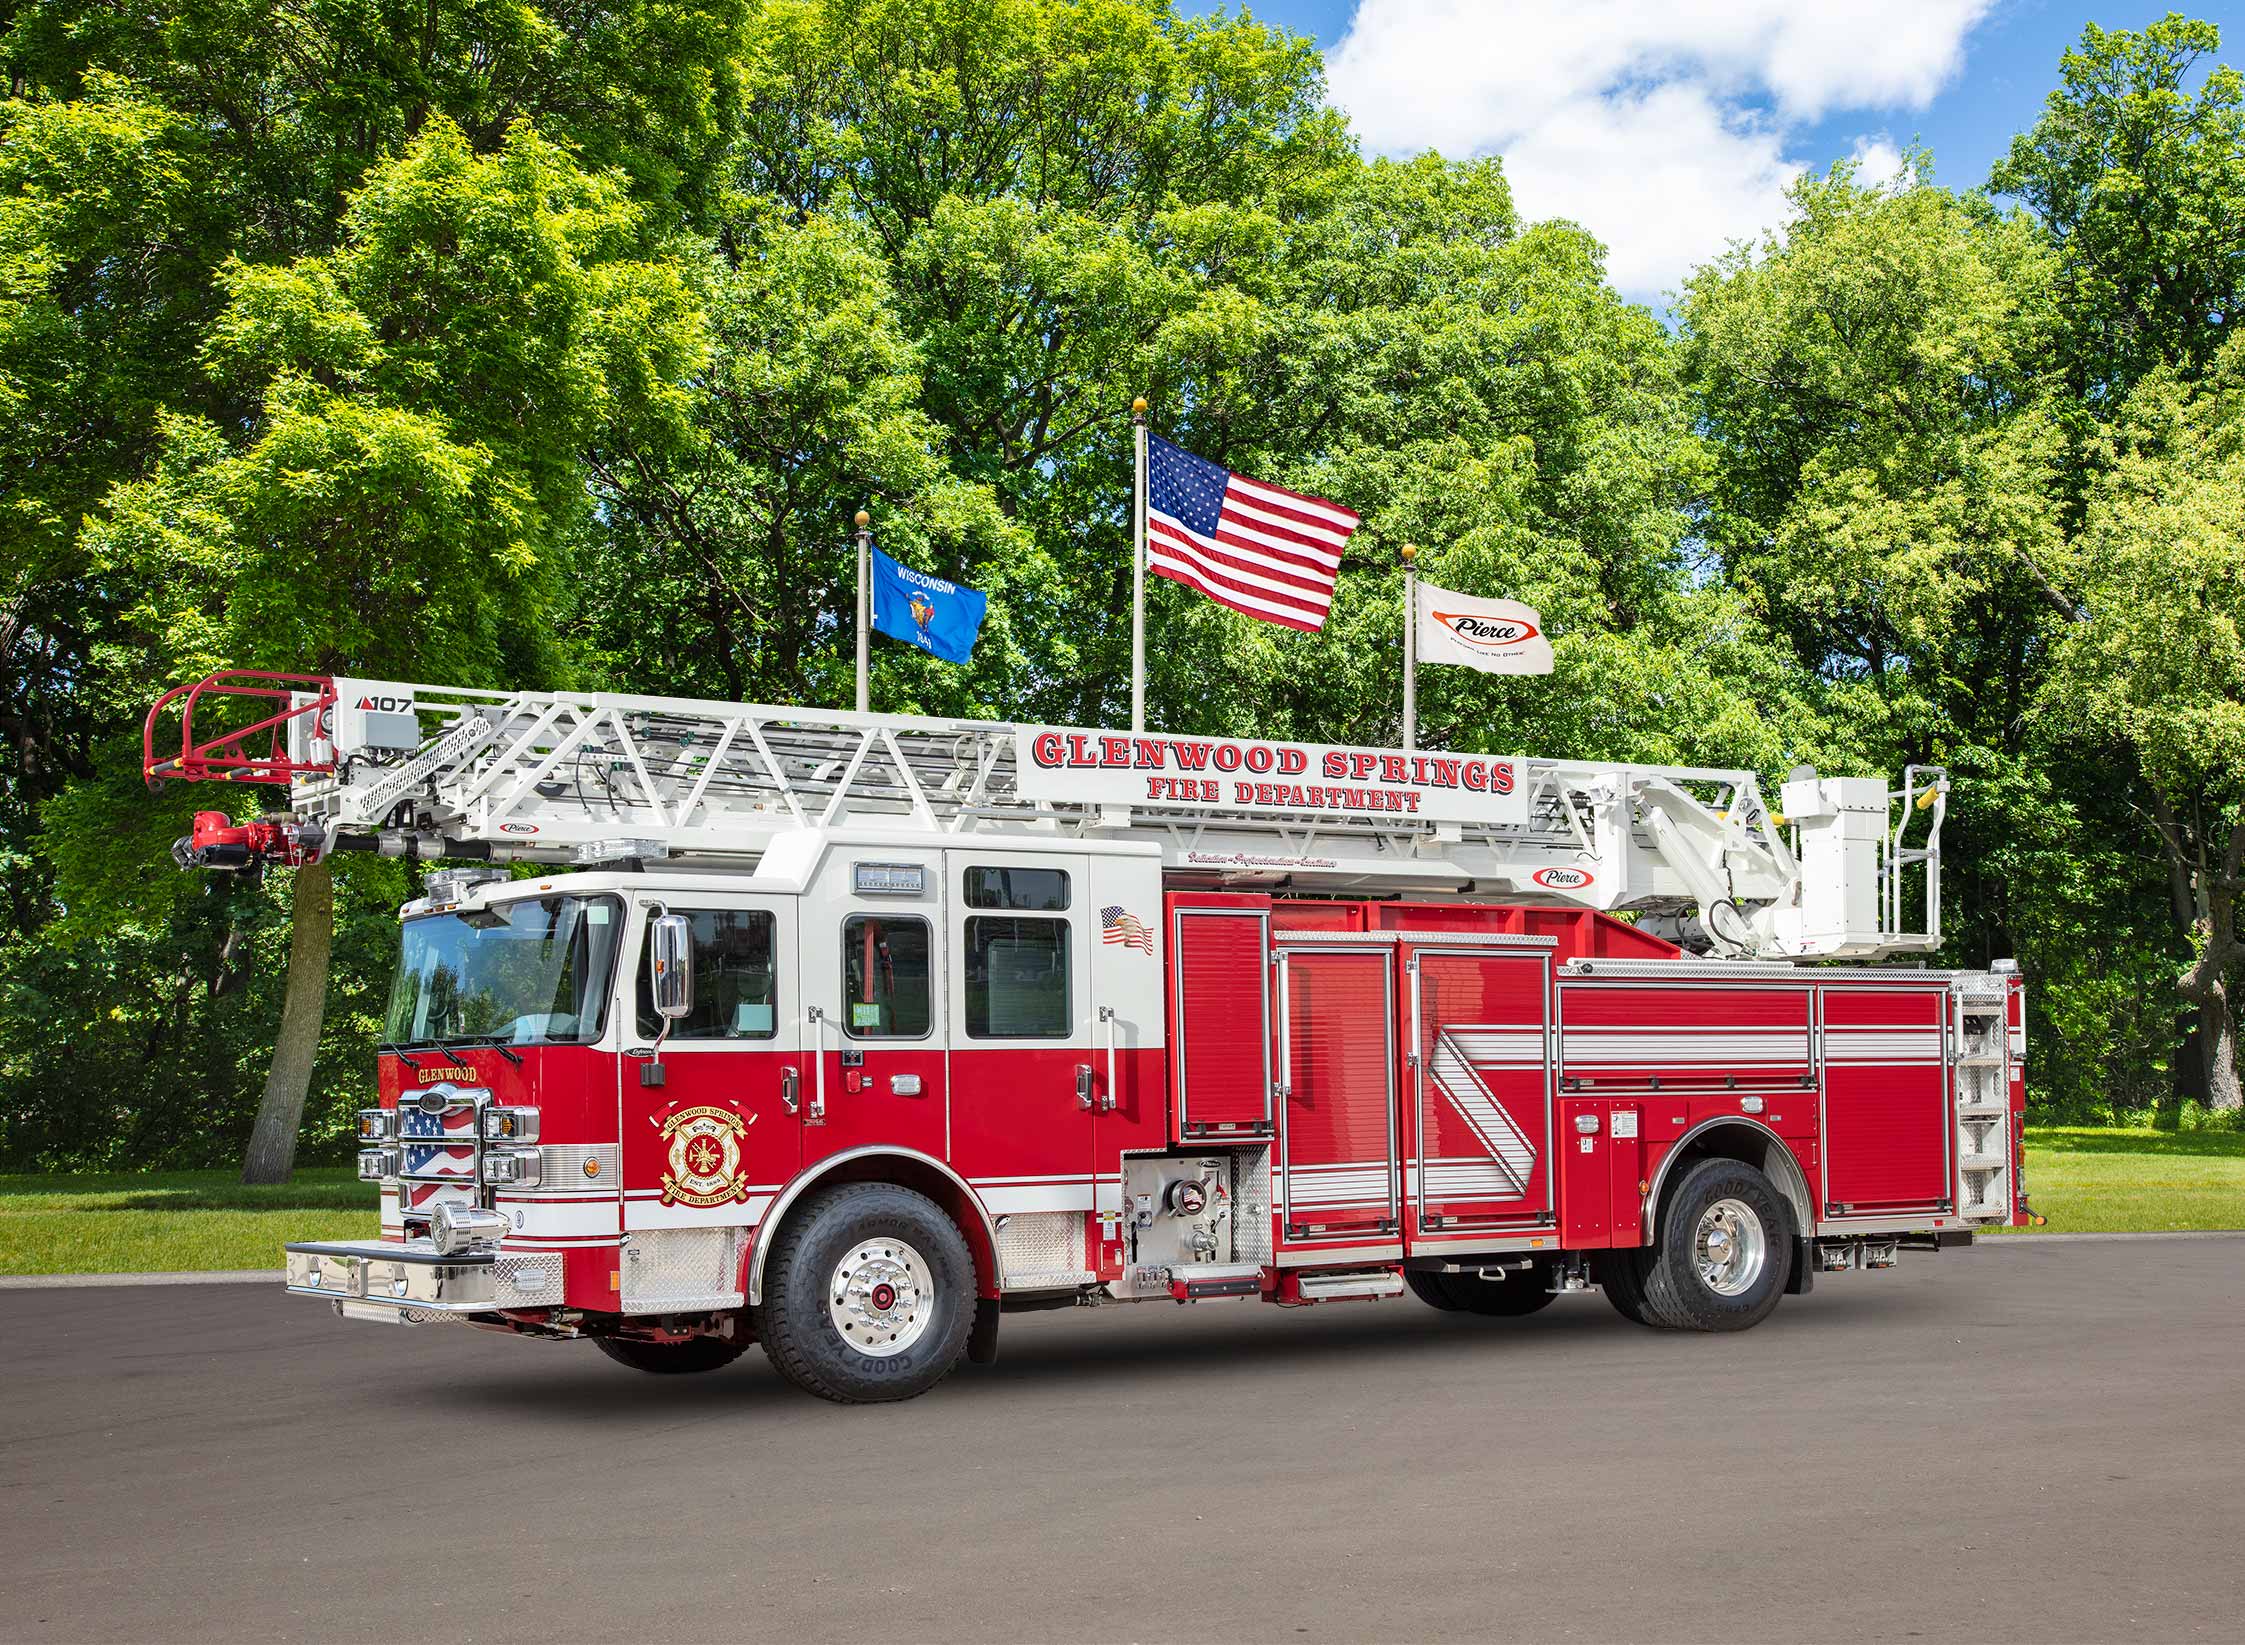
(2140, 186)
(1881, 385)
(2156, 666)
(405, 498)
(732, 525)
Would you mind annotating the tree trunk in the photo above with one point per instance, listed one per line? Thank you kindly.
(272, 1143)
(2206, 983)
(2224, 1089)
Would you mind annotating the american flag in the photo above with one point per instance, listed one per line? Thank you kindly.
(1127, 929)
(1260, 549)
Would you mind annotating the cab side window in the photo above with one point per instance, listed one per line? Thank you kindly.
(736, 985)
(1017, 965)
(885, 977)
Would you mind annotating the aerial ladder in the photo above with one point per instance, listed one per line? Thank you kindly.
(433, 773)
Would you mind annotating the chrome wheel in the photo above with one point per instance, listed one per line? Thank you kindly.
(1730, 1246)
(881, 1297)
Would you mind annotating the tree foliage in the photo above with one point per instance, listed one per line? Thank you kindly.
(539, 344)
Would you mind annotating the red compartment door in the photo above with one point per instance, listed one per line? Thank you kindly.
(1337, 1171)
(1886, 1105)
(1220, 1020)
(1480, 1139)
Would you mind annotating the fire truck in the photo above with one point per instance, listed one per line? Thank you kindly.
(849, 1033)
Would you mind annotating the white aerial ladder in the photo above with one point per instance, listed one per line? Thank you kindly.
(556, 776)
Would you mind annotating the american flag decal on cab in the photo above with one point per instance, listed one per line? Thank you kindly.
(1117, 926)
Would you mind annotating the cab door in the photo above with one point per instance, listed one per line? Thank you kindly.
(875, 1021)
(711, 1101)
(1027, 1075)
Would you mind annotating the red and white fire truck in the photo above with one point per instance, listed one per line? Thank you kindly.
(848, 1033)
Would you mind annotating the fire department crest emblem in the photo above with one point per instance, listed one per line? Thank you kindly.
(705, 1157)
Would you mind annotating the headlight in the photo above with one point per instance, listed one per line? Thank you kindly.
(377, 1163)
(519, 1167)
(510, 1124)
(377, 1124)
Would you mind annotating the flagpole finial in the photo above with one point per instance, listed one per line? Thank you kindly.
(1409, 551)
(863, 519)
(1138, 406)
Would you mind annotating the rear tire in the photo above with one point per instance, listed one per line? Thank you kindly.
(672, 1359)
(869, 1295)
(1521, 1292)
(1428, 1289)
(1723, 1252)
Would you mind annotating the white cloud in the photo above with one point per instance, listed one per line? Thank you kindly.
(1660, 125)
(1877, 161)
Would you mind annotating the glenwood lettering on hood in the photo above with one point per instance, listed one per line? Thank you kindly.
(1211, 771)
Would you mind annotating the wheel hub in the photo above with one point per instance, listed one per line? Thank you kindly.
(881, 1297)
(1731, 1247)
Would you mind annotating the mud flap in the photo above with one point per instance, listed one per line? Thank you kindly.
(1803, 1279)
(982, 1341)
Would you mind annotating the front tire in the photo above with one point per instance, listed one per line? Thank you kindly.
(868, 1295)
(1723, 1253)
(671, 1359)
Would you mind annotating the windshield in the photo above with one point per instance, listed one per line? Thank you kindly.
(516, 972)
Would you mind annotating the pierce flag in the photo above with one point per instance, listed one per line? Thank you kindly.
(1495, 636)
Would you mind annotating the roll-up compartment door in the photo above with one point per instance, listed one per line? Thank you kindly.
(1220, 1034)
(1886, 1109)
(1337, 1175)
(1479, 1154)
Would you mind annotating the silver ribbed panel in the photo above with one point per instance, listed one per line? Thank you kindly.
(681, 1270)
(1042, 1249)
(527, 1281)
(1251, 1205)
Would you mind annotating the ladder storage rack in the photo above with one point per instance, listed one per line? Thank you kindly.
(435, 771)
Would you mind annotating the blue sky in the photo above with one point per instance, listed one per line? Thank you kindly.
(1669, 127)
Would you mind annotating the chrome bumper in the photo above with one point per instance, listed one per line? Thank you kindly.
(414, 1284)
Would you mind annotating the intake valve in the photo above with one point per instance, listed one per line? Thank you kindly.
(1187, 1199)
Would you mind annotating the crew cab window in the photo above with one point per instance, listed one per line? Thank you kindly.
(1017, 983)
(885, 977)
(1017, 979)
(736, 985)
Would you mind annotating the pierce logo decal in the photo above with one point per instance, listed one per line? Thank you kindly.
(1488, 633)
(705, 1157)
(1563, 879)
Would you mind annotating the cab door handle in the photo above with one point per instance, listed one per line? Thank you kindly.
(791, 1089)
(1083, 1086)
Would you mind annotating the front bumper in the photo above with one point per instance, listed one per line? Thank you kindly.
(415, 1284)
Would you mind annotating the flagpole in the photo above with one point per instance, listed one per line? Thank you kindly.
(864, 604)
(1138, 570)
(1410, 648)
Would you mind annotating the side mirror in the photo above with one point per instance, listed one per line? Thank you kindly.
(670, 965)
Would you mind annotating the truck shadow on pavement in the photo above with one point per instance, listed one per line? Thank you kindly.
(1067, 1350)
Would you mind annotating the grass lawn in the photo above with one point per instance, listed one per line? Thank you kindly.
(2086, 1179)
(2082, 1180)
(142, 1223)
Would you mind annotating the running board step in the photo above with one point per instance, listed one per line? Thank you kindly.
(1375, 1282)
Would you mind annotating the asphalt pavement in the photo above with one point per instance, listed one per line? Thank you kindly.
(2039, 1444)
